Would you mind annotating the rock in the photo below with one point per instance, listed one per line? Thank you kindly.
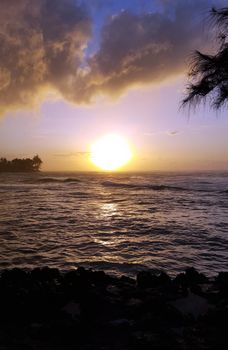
(146, 279)
(127, 280)
(72, 309)
(82, 271)
(194, 277)
(77, 281)
(16, 277)
(191, 277)
(134, 302)
(121, 322)
(45, 274)
(70, 277)
(222, 282)
(164, 279)
(191, 305)
(88, 310)
(99, 278)
(114, 290)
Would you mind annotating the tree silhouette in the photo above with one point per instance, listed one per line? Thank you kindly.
(36, 163)
(208, 74)
(20, 165)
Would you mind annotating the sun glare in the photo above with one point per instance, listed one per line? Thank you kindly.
(110, 152)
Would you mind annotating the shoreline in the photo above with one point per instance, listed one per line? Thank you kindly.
(85, 309)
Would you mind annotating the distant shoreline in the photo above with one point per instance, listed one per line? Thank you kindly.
(25, 165)
(20, 171)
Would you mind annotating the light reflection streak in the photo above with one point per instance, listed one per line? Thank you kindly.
(108, 209)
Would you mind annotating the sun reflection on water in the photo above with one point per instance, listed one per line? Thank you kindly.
(108, 209)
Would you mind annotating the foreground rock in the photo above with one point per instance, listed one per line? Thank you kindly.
(84, 309)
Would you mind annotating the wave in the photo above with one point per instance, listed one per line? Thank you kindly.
(71, 179)
(116, 267)
(47, 180)
(57, 180)
(142, 186)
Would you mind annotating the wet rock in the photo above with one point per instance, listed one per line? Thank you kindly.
(222, 282)
(60, 334)
(99, 278)
(76, 284)
(153, 340)
(91, 310)
(192, 305)
(121, 322)
(70, 277)
(191, 277)
(146, 279)
(15, 277)
(45, 274)
(134, 302)
(194, 277)
(127, 280)
(72, 309)
(112, 289)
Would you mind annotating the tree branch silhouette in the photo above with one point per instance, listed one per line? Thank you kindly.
(208, 74)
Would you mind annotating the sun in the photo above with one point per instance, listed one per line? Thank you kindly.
(110, 152)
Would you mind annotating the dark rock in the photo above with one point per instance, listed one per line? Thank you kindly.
(127, 280)
(16, 277)
(153, 340)
(164, 279)
(72, 309)
(222, 282)
(99, 278)
(81, 271)
(76, 283)
(194, 277)
(192, 304)
(146, 279)
(90, 310)
(191, 277)
(45, 274)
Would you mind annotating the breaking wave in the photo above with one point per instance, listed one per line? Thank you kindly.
(142, 186)
(58, 180)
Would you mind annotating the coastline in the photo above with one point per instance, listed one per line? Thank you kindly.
(84, 309)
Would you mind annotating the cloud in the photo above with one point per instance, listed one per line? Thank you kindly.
(72, 154)
(155, 133)
(146, 48)
(173, 133)
(42, 49)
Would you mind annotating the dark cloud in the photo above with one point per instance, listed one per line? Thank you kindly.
(42, 46)
(138, 49)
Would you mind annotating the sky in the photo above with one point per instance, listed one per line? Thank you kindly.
(72, 71)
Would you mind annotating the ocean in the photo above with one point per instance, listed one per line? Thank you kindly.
(118, 222)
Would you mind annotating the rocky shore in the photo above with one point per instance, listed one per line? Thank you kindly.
(84, 309)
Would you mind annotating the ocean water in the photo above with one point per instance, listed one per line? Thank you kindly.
(121, 223)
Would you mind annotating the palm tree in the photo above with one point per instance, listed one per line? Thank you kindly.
(36, 163)
(208, 74)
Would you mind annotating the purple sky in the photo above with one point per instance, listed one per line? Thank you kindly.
(122, 68)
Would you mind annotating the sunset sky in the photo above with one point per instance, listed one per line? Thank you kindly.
(72, 71)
